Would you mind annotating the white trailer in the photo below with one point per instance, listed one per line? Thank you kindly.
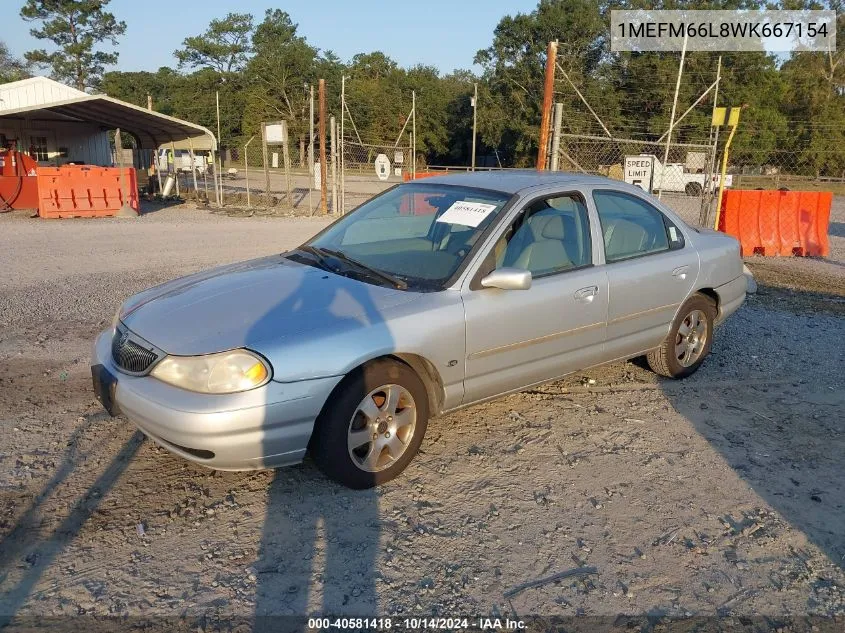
(182, 161)
(647, 172)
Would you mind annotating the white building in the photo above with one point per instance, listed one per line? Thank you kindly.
(57, 124)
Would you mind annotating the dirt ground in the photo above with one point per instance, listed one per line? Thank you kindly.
(718, 495)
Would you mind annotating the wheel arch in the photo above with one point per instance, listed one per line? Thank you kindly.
(421, 366)
(711, 294)
(429, 375)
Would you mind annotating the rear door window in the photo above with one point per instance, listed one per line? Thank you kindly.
(631, 227)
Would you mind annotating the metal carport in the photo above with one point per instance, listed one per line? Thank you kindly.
(152, 130)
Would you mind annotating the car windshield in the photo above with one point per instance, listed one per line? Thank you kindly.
(414, 236)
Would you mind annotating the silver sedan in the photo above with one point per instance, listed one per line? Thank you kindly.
(433, 296)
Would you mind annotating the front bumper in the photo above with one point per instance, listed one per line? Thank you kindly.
(262, 428)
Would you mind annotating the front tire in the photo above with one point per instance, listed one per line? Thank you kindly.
(688, 342)
(372, 425)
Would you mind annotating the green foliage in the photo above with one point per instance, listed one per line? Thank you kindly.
(11, 68)
(224, 47)
(76, 28)
(793, 106)
(514, 68)
(276, 77)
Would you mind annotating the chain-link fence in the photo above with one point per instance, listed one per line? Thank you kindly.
(684, 179)
(364, 174)
(247, 177)
(688, 180)
(279, 179)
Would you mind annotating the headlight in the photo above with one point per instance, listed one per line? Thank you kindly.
(227, 372)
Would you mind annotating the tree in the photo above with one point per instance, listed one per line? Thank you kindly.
(224, 47)
(514, 63)
(11, 68)
(282, 64)
(76, 27)
(133, 87)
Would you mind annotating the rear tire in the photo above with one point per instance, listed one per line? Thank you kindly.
(372, 425)
(688, 342)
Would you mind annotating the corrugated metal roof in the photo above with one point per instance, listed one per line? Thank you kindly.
(151, 129)
(34, 91)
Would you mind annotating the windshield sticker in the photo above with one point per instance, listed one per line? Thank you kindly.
(673, 233)
(467, 213)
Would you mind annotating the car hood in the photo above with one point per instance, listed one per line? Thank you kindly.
(250, 303)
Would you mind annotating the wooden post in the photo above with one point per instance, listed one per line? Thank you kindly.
(324, 205)
(546, 114)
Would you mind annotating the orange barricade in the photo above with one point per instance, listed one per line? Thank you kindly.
(777, 222)
(85, 191)
(406, 176)
(18, 182)
(417, 204)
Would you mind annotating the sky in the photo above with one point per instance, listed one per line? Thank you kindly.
(441, 33)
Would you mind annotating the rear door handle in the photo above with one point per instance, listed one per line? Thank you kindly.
(586, 294)
(680, 272)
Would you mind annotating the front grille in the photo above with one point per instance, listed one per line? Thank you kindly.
(130, 356)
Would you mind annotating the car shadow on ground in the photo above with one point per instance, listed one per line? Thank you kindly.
(328, 568)
(314, 562)
(784, 435)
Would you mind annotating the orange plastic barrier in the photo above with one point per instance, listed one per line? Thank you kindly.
(417, 204)
(777, 222)
(85, 191)
(407, 176)
(18, 182)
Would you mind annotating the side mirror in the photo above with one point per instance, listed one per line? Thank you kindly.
(508, 279)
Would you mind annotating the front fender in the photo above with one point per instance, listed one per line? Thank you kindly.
(433, 330)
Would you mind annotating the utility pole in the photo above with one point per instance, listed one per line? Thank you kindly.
(324, 205)
(556, 136)
(342, 147)
(709, 188)
(311, 152)
(474, 122)
(333, 145)
(219, 178)
(548, 97)
(150, 103)
(266, 159)
(414, 135)
(672, 118)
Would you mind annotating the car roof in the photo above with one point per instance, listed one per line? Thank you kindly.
(516, 180)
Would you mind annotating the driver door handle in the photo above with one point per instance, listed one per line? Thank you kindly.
(680, 272)
(586, 294)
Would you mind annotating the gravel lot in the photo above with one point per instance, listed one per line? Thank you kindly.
(719, 495)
